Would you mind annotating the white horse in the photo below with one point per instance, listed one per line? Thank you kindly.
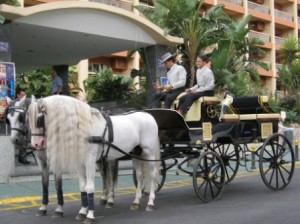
(16, 114)
(20, 136)
(69, 123)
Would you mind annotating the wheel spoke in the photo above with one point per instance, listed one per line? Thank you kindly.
(282, 177)
(285, 169)
(211, 189)
(271, 178)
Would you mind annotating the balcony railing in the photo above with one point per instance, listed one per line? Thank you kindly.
(278, 66)
(279, 40)
(127, 5)
(235, 2)
(260, 8)
(298, 21)
(283, 15)
(254, 65)
(262, 36)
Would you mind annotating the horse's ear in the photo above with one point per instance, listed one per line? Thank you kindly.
(33, 99)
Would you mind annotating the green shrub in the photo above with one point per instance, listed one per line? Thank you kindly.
(104, 86)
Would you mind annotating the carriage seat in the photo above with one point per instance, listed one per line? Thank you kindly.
(251, 108)
(194, 113)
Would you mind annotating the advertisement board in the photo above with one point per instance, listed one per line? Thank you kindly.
(7, 84)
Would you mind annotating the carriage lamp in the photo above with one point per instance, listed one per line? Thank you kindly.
(296, 143)
(253, 150)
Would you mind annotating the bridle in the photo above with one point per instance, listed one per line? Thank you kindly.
(22, 118)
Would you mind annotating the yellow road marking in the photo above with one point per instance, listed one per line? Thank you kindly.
(34, 201)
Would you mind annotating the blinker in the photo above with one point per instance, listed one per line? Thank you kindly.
(40, 122)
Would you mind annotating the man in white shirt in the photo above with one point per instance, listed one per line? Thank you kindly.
(176, 76)
(204, 87)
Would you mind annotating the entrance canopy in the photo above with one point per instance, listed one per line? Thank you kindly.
(67, 32)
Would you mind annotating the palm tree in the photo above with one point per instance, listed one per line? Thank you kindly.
(181, 18)
(289, 73)
(231, 59)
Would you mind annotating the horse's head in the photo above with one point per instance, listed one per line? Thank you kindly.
(36, 115)
(16, 117)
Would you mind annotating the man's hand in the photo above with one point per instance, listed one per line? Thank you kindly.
(188, 90)
(157, 86)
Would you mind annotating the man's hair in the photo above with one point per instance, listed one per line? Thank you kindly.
(171, 59)
(203, 57)
(19, 90)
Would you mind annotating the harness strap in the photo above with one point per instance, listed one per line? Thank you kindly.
(109, 127)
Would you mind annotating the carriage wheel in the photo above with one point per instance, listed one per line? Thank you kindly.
(229, 154)
(209, 176)
(276, 162)
(161, 178)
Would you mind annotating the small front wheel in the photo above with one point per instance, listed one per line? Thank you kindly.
(209, 176)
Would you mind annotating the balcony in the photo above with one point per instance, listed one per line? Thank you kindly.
(279, 40)
(262, 36)
(123, 4)
(259, 8)
(282, 15)
(298, 21)
(235, 2)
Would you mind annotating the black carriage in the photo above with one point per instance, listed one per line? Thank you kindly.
(215, 145)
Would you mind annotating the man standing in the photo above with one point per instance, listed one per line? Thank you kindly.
(204, 87)
(176, 76)
(57, 83)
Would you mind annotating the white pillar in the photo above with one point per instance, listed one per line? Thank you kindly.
(83, 73)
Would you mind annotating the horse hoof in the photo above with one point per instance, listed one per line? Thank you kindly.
(57, 214)
(80, 217)
(150, 208)
(41, 213)
(134, 207)
(102, 201)
(89, 221)
(109, 205)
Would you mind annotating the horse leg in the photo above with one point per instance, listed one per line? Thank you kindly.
(112, 177)
(45, 184)
(90, 188)
(137, 165)
(81, 216)
(60, 197)
(151, 172)
(102, 168)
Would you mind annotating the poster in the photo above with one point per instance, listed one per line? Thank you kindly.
(7, 84)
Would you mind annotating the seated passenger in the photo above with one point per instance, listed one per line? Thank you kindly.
(176, 76)
(204, 87)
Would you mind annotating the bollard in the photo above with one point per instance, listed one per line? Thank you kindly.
(296, 143)
(253, 150)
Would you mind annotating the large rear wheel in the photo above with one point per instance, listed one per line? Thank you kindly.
(209, 176)
(276, 162)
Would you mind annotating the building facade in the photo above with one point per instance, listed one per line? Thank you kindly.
(272, 22)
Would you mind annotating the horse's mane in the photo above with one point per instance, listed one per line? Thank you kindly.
(68, 123)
